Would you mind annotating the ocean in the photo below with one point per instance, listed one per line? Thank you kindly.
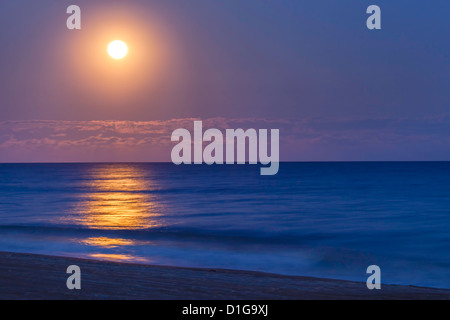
(329, 220)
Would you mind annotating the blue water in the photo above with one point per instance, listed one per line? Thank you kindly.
(328, 220)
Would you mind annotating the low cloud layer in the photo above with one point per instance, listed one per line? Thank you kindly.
(312, 139)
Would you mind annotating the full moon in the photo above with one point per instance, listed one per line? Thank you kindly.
(117, 49)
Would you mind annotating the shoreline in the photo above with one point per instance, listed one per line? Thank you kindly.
(32, 276)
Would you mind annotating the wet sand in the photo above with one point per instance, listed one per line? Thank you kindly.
(27, 276)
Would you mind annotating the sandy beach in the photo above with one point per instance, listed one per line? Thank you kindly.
(28, 276)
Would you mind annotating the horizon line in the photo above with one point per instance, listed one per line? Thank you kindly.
(169, 162)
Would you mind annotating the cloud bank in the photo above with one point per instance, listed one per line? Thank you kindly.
(311, 139)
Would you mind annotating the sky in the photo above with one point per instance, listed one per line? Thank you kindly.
(336, 90)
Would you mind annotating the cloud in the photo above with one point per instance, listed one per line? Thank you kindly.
(309, 139)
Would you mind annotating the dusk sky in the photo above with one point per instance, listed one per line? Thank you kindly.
(336, 90)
